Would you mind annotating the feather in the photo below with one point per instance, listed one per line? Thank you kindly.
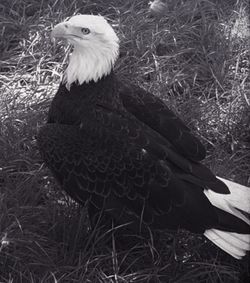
(234, 203)
(237, 203)
(232, 243)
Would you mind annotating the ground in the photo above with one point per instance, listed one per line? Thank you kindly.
(196, 58)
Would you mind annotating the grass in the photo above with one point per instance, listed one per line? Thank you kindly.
(196, 58)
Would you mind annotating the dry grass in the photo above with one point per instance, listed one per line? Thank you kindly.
(196, 58)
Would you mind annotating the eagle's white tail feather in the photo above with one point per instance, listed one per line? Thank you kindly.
(233, 243)
(240, 195)
(239, 198)
(237, 201)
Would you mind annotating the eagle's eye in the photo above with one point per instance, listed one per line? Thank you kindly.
(85, 30)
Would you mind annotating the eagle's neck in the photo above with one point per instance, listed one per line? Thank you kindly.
(89, 64)
(71, 106)
(103, 92)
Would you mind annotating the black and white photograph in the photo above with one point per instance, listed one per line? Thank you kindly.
(124, 141)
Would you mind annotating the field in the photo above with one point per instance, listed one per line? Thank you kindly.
(195, 57)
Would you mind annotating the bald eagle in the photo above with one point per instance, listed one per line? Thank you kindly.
(123, 151)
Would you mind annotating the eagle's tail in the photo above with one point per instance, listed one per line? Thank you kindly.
(237, 204)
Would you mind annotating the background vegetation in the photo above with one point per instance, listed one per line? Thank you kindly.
(196, 57)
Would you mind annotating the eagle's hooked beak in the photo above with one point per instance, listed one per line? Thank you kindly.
(59, 31)
(65, 30)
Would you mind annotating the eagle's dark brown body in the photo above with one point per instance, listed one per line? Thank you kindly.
(122, 149)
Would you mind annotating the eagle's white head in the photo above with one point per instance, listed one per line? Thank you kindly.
(96, 47)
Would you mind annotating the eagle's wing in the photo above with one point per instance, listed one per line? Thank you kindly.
(117, 159)
(154, 112)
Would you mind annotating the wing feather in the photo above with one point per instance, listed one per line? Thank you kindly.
(154, 112)
(125, 164)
